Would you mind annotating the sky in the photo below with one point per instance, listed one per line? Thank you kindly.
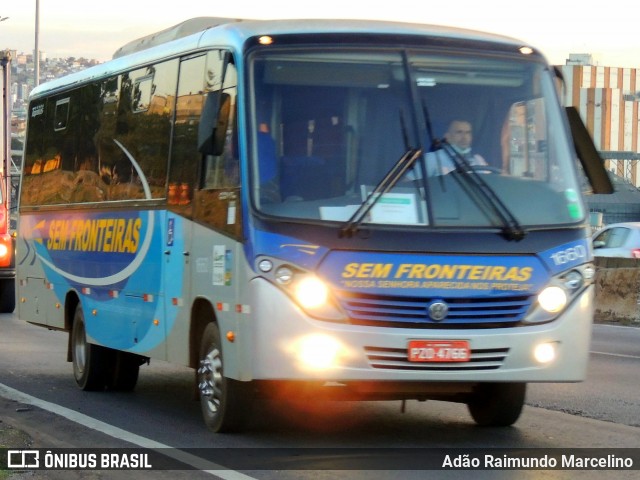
(94, 30)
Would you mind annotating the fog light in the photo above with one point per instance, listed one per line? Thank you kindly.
(318, 352)
(545, 353)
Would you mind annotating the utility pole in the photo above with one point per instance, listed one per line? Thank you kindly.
(36, 56)
(5, 127)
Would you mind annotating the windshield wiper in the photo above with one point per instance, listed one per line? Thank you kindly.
(479, 191)
(399, 169)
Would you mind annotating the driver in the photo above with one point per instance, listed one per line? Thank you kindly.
(460, 136)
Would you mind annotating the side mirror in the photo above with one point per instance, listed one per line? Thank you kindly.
(598, 244)
(589, 157)
(214, 122)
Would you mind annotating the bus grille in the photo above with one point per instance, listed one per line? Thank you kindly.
(396, 359)
(412, 312)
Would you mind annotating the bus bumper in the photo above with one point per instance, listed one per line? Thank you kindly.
(284, 339)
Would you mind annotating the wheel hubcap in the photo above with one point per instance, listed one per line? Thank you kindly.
(80, 350)
(210, 380)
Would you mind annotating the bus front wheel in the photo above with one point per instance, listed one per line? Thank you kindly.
(497, 404)
(88, 359)
(225, 402)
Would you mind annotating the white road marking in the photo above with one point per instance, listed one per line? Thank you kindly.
(621, 355)
(90, 422)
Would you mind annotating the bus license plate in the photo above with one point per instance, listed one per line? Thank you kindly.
(438, 351)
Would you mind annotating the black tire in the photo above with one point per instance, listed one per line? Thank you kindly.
(123, 371)
(497, 404)
(89, 361)
(7, 296)
(225, 402)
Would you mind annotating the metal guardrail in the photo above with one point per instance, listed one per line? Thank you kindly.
(619, 155)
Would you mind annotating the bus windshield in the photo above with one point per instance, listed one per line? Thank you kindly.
(331, 124)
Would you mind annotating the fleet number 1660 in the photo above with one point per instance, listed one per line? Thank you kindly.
(569, 255)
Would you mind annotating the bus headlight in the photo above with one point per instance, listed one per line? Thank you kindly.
(307, 290)
(314, 297)
(562, 290)
(311, 292)
(552, 299)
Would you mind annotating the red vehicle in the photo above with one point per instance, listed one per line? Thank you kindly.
(7, 255)
(7, 240)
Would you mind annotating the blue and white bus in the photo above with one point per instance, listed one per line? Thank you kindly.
(253, 199)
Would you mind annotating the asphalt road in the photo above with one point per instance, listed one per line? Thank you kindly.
(612, 389)
(602, 412)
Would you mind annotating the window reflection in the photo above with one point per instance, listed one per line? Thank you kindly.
(107, 141)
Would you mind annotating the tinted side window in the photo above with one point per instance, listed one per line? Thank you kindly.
(185, 157)
(143, 93)
(203, 183)
(60, 145)
(61, 115)
(106, 141)
(217, 200)
(136, 137)
(34, 145)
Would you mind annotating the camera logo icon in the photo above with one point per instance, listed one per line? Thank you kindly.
(23, 459)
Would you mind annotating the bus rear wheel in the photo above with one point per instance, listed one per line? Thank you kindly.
(497, 404)
(123, 371)
(225, 402)
(89, 360)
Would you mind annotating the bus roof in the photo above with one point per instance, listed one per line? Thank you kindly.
(262, 27)
(184, 29)
(203, 32)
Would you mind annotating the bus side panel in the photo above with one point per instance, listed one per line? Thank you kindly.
(112, 260)
(177, 286)
(37, 302)
(214, 263)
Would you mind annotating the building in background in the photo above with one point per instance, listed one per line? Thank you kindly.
(607, 99)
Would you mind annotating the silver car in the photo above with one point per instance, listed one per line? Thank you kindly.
(618, 240)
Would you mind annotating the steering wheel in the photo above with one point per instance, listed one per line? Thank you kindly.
(484, 169)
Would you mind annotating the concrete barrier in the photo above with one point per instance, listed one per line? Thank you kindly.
(617, 291)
